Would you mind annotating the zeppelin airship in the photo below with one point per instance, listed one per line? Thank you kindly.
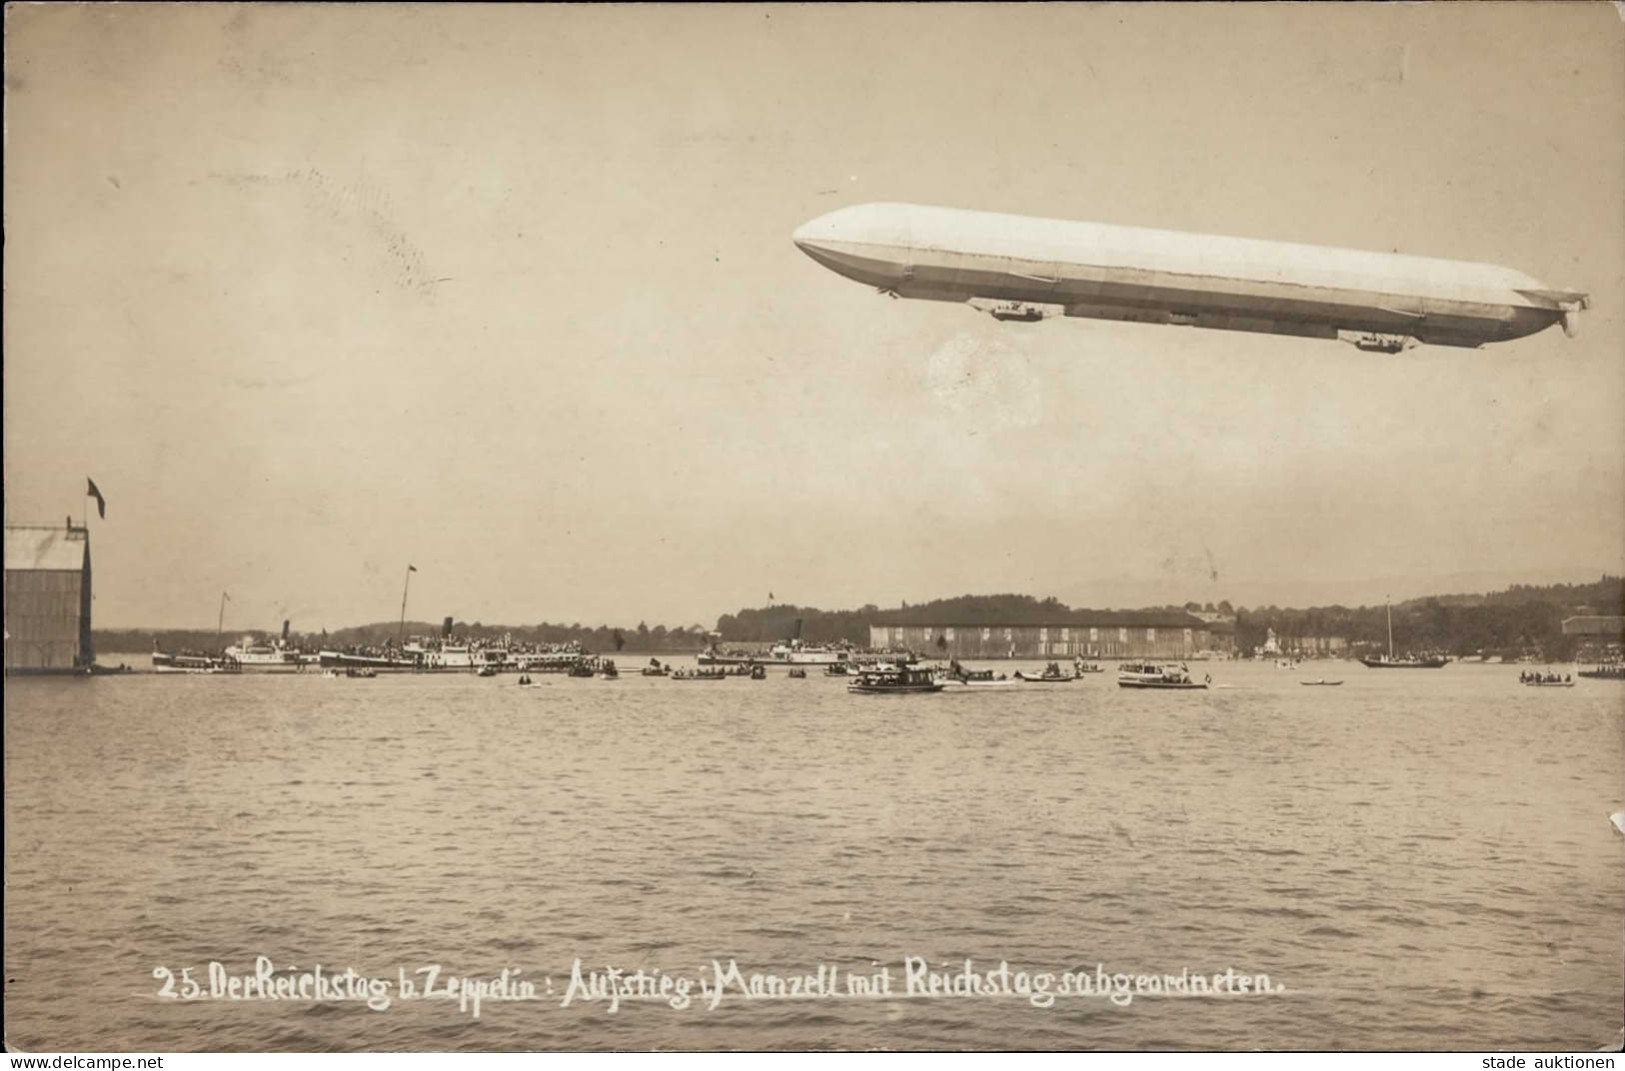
(1023, 269)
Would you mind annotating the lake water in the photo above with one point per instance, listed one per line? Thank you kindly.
(1417, 859)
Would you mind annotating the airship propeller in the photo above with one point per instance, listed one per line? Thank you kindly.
(1568, 302)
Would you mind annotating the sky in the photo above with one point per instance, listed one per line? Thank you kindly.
(508, 294)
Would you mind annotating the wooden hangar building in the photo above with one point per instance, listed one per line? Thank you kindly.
(47, 610)
(1079, 634)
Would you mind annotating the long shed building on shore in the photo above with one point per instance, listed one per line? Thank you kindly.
(1081, 634)
(47, 612)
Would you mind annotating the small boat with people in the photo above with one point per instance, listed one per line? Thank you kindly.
(702, 673)
(895, 680)
(361, 673)
(798, 674)
(1080, 667)
(1408, 661)
(1052, 675)
(956, 678)
(1546, 680)
(1155, 675)
(487, 671)
(1404, 662)
(839, 669)
(1607, 671)
(758, 672)
(656, 669)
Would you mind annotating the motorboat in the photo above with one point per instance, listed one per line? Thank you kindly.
(1156, 675)
(1081, 667)
(895, 680)
(957, 676)
(1323, 682)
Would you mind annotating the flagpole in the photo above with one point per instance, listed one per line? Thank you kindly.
(220, 624)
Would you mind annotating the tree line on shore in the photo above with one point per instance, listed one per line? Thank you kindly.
(1521, 619)
(676, 639)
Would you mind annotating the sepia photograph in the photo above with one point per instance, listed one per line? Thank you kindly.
(1142, 485)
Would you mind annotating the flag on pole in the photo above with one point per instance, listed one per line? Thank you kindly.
(101, 503)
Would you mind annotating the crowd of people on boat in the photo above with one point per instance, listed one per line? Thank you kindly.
(1544, 678)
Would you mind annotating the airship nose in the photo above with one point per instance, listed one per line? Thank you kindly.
(809, 234)
(868, 224)
(861, 242)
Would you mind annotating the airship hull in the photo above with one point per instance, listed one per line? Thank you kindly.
(1036, 266)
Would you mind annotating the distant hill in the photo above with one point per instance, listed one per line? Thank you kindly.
(1287, 590)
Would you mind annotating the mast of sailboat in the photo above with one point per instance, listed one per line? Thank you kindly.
(1390, 606)
(400, 632)
(220, 622)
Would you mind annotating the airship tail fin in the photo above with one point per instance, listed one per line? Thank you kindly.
(1562, 298)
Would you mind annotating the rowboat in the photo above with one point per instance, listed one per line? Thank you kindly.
(1052, 675)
